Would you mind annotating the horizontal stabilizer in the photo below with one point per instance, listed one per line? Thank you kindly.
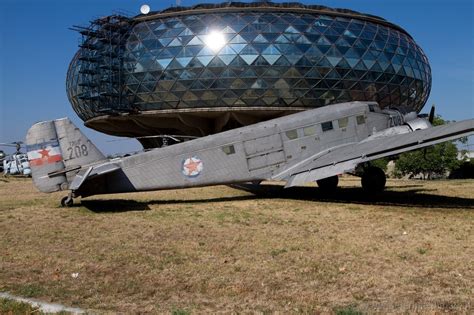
(92, 171)
(64, 171)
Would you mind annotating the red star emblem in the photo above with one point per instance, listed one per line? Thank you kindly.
(192, 166)
(44, 153)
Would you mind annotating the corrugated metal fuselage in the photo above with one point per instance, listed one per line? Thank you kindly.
(250, 153)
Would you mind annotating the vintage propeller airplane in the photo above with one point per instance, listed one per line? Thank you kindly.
(314, 145)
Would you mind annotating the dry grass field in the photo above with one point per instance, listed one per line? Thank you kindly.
(222, 249)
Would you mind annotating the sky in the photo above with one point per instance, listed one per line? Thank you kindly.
(36, 47)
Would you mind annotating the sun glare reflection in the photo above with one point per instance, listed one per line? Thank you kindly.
(215, 41)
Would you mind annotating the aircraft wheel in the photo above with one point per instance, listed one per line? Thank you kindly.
(67, 201)
(329, 183)
(373, 180)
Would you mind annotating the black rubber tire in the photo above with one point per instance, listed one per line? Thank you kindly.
(374, 180)
(329, 183)
(67, 202)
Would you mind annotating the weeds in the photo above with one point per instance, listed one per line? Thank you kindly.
(276, 252)
(348, 310)
(180, 312)
(13, 307)
(30, 290)
(422, 251)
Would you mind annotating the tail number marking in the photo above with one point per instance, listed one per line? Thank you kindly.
(77, 151)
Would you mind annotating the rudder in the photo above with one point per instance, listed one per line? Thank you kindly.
(57, 150)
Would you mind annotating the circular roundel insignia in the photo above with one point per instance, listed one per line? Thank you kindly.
(192, 166)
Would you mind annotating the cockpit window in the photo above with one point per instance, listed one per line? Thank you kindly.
(372, 108)
(327, 126)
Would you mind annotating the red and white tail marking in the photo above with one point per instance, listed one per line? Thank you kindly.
(47, 155)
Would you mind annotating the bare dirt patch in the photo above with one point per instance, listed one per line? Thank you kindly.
(409, 249)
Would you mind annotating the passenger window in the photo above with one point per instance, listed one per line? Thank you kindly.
(228, 149)
(309, 131)
(327, 126)
(291, 134)
(360, 119)
(343, 122)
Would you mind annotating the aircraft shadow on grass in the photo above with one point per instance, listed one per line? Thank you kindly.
(415, 197)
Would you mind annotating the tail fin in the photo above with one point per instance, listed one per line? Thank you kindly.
(57, 149)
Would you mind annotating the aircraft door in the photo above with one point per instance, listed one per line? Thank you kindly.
(361, 126)
(264, 153)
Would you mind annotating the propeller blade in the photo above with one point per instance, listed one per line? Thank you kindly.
(430, 119)
(432, 114)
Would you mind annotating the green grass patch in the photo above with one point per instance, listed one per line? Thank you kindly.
(30, 290)
(347, 310)
(422, 251)
(179, 311)
(276, 252)
(13, 307)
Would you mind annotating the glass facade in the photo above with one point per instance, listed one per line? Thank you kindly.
(254, 60)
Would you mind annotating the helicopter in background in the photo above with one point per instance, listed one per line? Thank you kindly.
(16, 163)
(2, 157)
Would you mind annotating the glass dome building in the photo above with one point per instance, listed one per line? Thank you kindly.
(208, 68)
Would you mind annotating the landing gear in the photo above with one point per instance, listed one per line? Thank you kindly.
(67, 201)
(373, 180)
(328, 184)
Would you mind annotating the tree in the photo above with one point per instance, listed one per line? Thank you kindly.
(380, 163)
(435, 160)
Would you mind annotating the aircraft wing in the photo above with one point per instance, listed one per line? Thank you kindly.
(345, 158)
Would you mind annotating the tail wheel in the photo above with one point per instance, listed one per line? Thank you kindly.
(67, 201)
(374, 180)
(329, 183)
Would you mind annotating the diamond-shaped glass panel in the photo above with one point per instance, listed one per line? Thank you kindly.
(257, 58)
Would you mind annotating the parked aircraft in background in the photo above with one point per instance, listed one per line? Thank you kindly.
(314, 145)
(16, 163)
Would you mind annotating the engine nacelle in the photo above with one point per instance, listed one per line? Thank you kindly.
(389, 132)
(418, 124)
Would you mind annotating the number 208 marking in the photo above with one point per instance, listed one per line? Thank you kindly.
(77, 151)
